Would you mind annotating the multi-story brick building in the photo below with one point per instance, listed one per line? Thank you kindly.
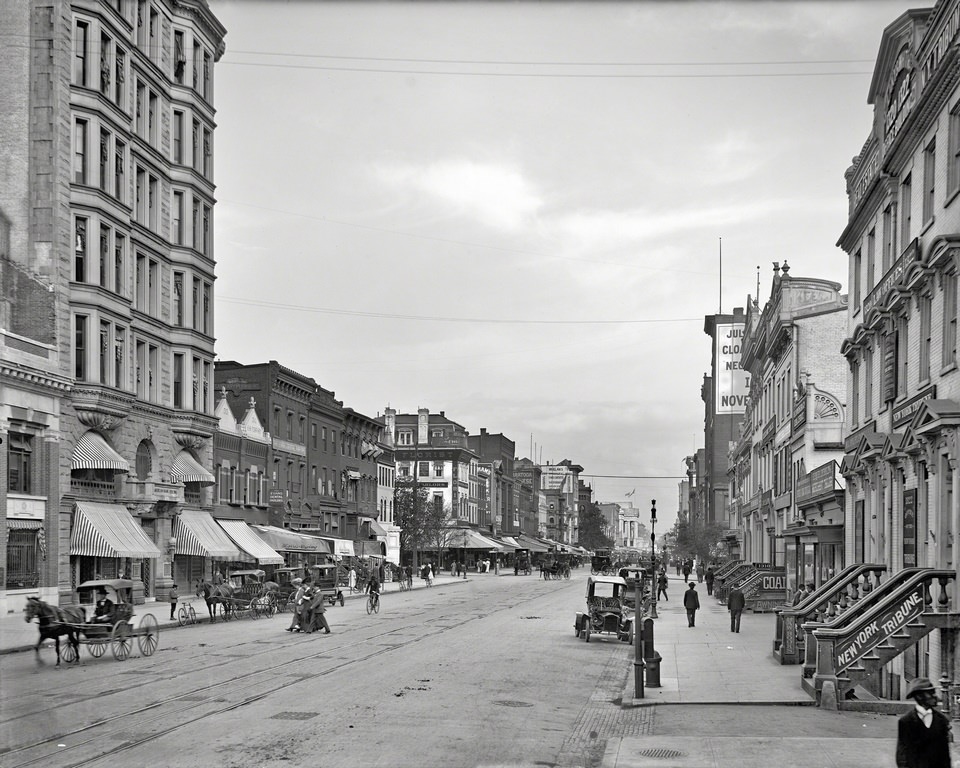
(902, 462)
(498, 451)
(360, 477)
(326, 424)
(527, 476)
(103, 177)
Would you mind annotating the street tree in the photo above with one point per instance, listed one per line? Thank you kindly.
(410, 510)
(594, 530)
(699, 541)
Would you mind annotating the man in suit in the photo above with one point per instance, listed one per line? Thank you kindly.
(923, 734)
(691, 601)
(735, 604)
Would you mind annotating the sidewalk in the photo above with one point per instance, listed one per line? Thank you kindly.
(17, 635)
(708, 665)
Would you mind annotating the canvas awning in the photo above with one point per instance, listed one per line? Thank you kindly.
(251, 545)
(284, 540)
(186, 469)
(23, 524)
(375, 528)
(467, 538)
(108, 530)
(93, 452)
(198, 534)
(532, 544)
(503, 544)
(341, 547)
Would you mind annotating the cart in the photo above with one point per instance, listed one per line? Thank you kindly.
(521, 562)
(285, 577)
(606, 610)
(118, 631)
(249, 597)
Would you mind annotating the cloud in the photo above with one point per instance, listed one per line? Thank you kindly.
(497, 195)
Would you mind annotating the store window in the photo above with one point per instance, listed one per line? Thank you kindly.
(20, 460)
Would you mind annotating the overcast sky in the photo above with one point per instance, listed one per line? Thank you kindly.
(512, 212)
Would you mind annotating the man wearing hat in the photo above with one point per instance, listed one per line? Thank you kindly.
(923, 734)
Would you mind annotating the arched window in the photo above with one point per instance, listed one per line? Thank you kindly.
(144, 460)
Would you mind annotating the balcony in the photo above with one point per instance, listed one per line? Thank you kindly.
(100, 407)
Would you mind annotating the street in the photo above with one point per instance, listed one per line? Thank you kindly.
(482, 672)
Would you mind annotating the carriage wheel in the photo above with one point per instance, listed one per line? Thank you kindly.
(97, 646)
(121, 640)
(586, 632)
(223, 612)
(254, 608)
(340, 598)
(67, 652)
(148, 635)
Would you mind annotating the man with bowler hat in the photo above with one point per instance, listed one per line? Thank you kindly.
(735, 604)
(691, 601)
(923, 734)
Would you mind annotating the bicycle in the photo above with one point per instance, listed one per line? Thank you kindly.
(403, 585)
(186, 614)
(373, 603)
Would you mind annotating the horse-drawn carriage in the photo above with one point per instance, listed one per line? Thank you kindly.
(326, 579)
(244, 592)
(556, 566)
(602, 562)
(606, 609)
(521, 562)
(114, 628)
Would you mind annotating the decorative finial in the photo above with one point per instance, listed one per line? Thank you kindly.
(786, 267)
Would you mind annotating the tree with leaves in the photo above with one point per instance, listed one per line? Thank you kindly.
(699, 541)
(594, 533)
(410, 511)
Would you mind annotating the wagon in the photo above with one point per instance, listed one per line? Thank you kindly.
(249, 596)
(606, 609)
(602, 562)
(118, 632)
(284, 577)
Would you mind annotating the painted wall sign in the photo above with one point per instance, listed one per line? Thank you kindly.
(731, 382)
(896, 617)
(904, 412)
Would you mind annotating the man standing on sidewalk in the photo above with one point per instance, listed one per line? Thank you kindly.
(691, 601)
(735, 604)
(923, 734)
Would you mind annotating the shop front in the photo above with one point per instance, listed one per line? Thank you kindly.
(813, 543)
(201, 547)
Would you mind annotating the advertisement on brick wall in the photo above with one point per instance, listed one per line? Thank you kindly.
(732, 382)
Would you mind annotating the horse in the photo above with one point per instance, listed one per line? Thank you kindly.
(213, 594)
(54, 622)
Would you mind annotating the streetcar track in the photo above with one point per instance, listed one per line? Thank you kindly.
(190, 697)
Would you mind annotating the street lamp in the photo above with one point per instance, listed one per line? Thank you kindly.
(653, 557)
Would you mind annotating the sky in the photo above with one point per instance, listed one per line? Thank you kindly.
(520, 213)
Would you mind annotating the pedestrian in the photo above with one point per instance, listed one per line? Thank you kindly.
(382, 573)
(687, 567)
(172, 596)
(430, 575)
(352, 579)
(691, 601)
(701, 571)
(217, 578)
(735, 604)
(800, 595)
(662, 586)
(923, 734)
(301, 586)
(709, 576)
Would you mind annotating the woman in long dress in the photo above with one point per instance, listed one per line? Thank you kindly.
(352, 579)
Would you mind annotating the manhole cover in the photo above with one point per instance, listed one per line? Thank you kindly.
(294, 715)
(508, 703)
(660, 753)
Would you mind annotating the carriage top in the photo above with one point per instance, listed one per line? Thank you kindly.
(243, 578)
(118, 590)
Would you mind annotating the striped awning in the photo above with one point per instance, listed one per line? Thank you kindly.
(186, 469)
(284, 540)
(93, 452)
(23, 524)
(467, 538)
(108, 530)
(252, 547)
(198, 534)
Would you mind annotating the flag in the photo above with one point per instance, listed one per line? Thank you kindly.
(631, 492)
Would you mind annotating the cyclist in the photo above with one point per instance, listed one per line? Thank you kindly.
(374, 589)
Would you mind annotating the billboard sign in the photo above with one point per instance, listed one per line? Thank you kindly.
(731, 382)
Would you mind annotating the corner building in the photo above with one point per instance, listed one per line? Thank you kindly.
(902, 241)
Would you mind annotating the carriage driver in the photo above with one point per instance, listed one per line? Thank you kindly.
(103, 613)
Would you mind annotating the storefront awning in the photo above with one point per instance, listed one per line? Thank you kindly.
(341, 547)
(23, 524)
(186, 469)
(504, 545)
(284, 540)
(108, 530)
(532, 544)
(375, 528)
(368, 548)
(93, 452)
(467, 538)
(251, 545)
(198, 534)
(352, 474)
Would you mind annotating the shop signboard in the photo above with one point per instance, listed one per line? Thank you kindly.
(910, 528)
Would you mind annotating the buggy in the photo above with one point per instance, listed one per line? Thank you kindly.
(606, 609)
(602, 562)
(117, 630)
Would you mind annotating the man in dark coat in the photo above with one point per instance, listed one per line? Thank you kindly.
(735, 604)
(709, 576)
(691, 601)
(923, 734)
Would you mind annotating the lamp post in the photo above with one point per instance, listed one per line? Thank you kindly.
(653, 557)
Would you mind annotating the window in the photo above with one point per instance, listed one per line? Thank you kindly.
(142, 23)
(178, 299)
(154, 52)
(423, 469)
(178, 137)
(80, 348)
(106, 68)
(313, 438)
(953, 171)
(80, 40)
(140, 295)
(104, 255)
(140, 123)
(153, 203)
(323, 438)
(119, 246)
(144, 461)
(140, 202)
(438, 469)
(929, 180)
(105, 160)
(405, 437)
(902, 356)
(119, 150)
(80, 152)
(80, 250)
(197, 319)
(949, 353)
(179, 57)
(207, 326)
(176, 218)
(196, 225)
(871, 275)
(153, 372)
(197, 163)
(120, 68)
(178, 380)
(925, 338)
(889, 226)
(152, 120)
(855, 278)
(119, 357)
(141, 372)
(153, 287)
(207, 167)
(20, 458)
(289, 425)
(867, 383)
(906, 207)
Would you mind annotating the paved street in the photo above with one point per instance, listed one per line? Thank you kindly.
(483, 672)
